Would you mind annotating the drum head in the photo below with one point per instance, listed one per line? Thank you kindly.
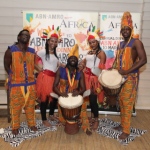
(110, 78)
(70, 102)
(54, 95)
(86, 93)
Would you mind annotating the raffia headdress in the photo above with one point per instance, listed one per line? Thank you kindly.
(74, 51)
(48, 33)
(94, 34)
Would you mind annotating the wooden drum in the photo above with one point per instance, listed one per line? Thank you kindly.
(111, 80)
(71, 108)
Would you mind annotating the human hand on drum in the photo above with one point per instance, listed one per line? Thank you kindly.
(64, 94)
(75, 93)
(123, 72)
(110, 68)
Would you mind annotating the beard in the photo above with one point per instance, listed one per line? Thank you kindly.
(73, 64)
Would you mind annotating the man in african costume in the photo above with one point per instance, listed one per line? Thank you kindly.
(19, 64)
(70, 80)
(130, 57)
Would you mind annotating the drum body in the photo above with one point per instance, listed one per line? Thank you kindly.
(111, 92)
(71, 114)
(111, 81)
(71, 108)
(111, 96)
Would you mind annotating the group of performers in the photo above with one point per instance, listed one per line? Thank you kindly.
(20, 62)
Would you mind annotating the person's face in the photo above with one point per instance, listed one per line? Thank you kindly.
(53, 42)
(73, 61)
(93, 44)
(24, 37)
(126, 32)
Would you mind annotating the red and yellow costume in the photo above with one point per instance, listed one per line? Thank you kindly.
(22, 86)
(46, 78)
(91, 80)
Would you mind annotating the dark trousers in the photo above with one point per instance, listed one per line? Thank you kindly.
(94, 105)
(52, 107)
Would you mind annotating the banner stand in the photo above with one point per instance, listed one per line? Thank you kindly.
(100, 112)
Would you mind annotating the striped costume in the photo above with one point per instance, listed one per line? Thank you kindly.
(22, 86)
(128, 92)
(64, 86)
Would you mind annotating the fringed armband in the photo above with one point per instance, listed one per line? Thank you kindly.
(101, 66)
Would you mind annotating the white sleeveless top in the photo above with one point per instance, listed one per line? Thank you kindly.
(90, 61)
(49, 64)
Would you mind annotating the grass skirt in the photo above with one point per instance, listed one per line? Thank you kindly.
(44, 86)
(93, 84)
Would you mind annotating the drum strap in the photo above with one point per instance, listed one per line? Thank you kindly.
(97, 52)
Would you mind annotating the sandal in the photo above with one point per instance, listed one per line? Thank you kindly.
(46, 123)
(95, 124)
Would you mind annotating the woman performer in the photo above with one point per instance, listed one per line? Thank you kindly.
(46, 75)
(94, 58)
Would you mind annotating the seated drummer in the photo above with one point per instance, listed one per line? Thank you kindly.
(69, 80)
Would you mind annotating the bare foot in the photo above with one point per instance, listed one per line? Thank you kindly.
(46, 123)
(95, 125)
(91, 120)
(119, 128)
(34, 128)
(53, 118)
(15, 131)
(88, 132)
(123, 136)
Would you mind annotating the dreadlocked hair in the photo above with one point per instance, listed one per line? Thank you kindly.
(67, 65)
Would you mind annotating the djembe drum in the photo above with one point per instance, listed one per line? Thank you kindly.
(71, 108)
(111, 81)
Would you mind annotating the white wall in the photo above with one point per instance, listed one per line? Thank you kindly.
(144, 84)
(11, 24)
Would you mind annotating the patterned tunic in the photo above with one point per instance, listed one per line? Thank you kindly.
(22, 85)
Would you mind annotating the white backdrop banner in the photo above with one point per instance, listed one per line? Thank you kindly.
(110, 26)
(73, 25)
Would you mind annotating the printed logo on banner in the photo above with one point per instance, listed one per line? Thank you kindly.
(29, 17)
(104, 17)
(73, 27)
